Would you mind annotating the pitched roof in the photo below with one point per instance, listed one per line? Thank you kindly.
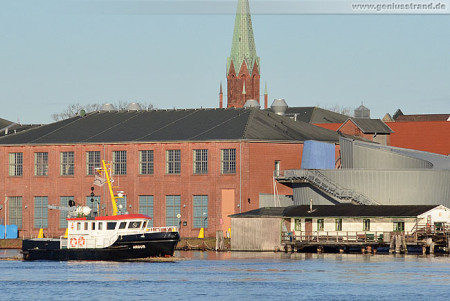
(345, 210)
(348, 210)
(262, 212)
(315, 115)
(4, 123)
(423, 117)
(172, 125)
(369, 125)
(243, 47)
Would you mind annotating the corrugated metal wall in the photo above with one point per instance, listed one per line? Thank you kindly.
(256, 234)
(388, 187)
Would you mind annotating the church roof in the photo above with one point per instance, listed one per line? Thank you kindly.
(172, 125)
(243, 46)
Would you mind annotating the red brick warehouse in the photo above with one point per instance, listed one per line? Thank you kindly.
(203, 164)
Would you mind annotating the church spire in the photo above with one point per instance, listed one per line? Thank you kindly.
(243, 63)
(243, 46)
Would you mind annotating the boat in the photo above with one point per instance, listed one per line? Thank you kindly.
(116, 237)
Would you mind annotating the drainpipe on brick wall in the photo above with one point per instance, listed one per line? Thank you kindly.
(240, 176)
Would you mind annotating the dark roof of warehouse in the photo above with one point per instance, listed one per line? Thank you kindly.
(339, 211)
(369, 125)
(315, 115)
(7, 127)
(172, 125)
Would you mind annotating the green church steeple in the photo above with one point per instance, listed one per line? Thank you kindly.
(243, 46)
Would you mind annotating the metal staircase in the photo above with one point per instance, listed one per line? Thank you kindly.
(319, 180)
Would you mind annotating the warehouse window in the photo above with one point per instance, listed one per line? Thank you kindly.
(94, 205)
(228, 161)
(320, 224)
(200, 161)
(173, 161)
(15, 164)
(64, 203)
(200, 211)
(120, 162)
(339, 224)
(92, 162)
(41, 212)
(146, 162)
(67, 163)
(41, 164)
(366, 224)
(146, 207)
(173, 208)
(15, 210)
(276, 171)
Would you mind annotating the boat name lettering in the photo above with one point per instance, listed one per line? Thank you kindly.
(139, 247)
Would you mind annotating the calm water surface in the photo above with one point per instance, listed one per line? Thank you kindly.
(231, 276)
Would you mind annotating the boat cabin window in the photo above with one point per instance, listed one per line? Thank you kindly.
(78, 226)
(85, 226)
(93, 226)
(134, 225)
(111, 225)
(100, 225)
(123, 225)
(144, 224)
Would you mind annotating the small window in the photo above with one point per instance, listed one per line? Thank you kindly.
(100, 226)
(123, 225)
(339, 224)
(134, 225)
(93, 226)
(320, 224)
(78, 226)
(86, 225)
(298, 224)
(111, 225)
(144, 224)
(399, 226)
(366, 224)
(439, 226)
(276, 171)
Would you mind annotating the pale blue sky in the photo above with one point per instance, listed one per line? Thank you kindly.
(56, 53)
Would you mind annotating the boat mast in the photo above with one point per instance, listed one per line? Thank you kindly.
(113, 198)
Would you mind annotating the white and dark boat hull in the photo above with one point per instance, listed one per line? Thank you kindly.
(126, 247)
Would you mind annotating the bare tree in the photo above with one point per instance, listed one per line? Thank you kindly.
(339, 109)
(75, 109)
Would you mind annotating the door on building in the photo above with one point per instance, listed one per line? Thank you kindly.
(308, 229)
(227, 207)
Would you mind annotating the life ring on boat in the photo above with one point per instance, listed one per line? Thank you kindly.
(81, 241)
(73, 242)
(72, 226)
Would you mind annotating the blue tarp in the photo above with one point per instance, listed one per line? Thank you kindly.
(318, 155)
(11, 231)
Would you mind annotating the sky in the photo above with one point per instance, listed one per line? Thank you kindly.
(172, 54)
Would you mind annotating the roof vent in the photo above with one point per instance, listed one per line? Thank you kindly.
(252, 103)
(107, 107)
(134, 107)
(279, 106)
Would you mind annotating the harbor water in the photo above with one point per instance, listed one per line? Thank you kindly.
(231, 276)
